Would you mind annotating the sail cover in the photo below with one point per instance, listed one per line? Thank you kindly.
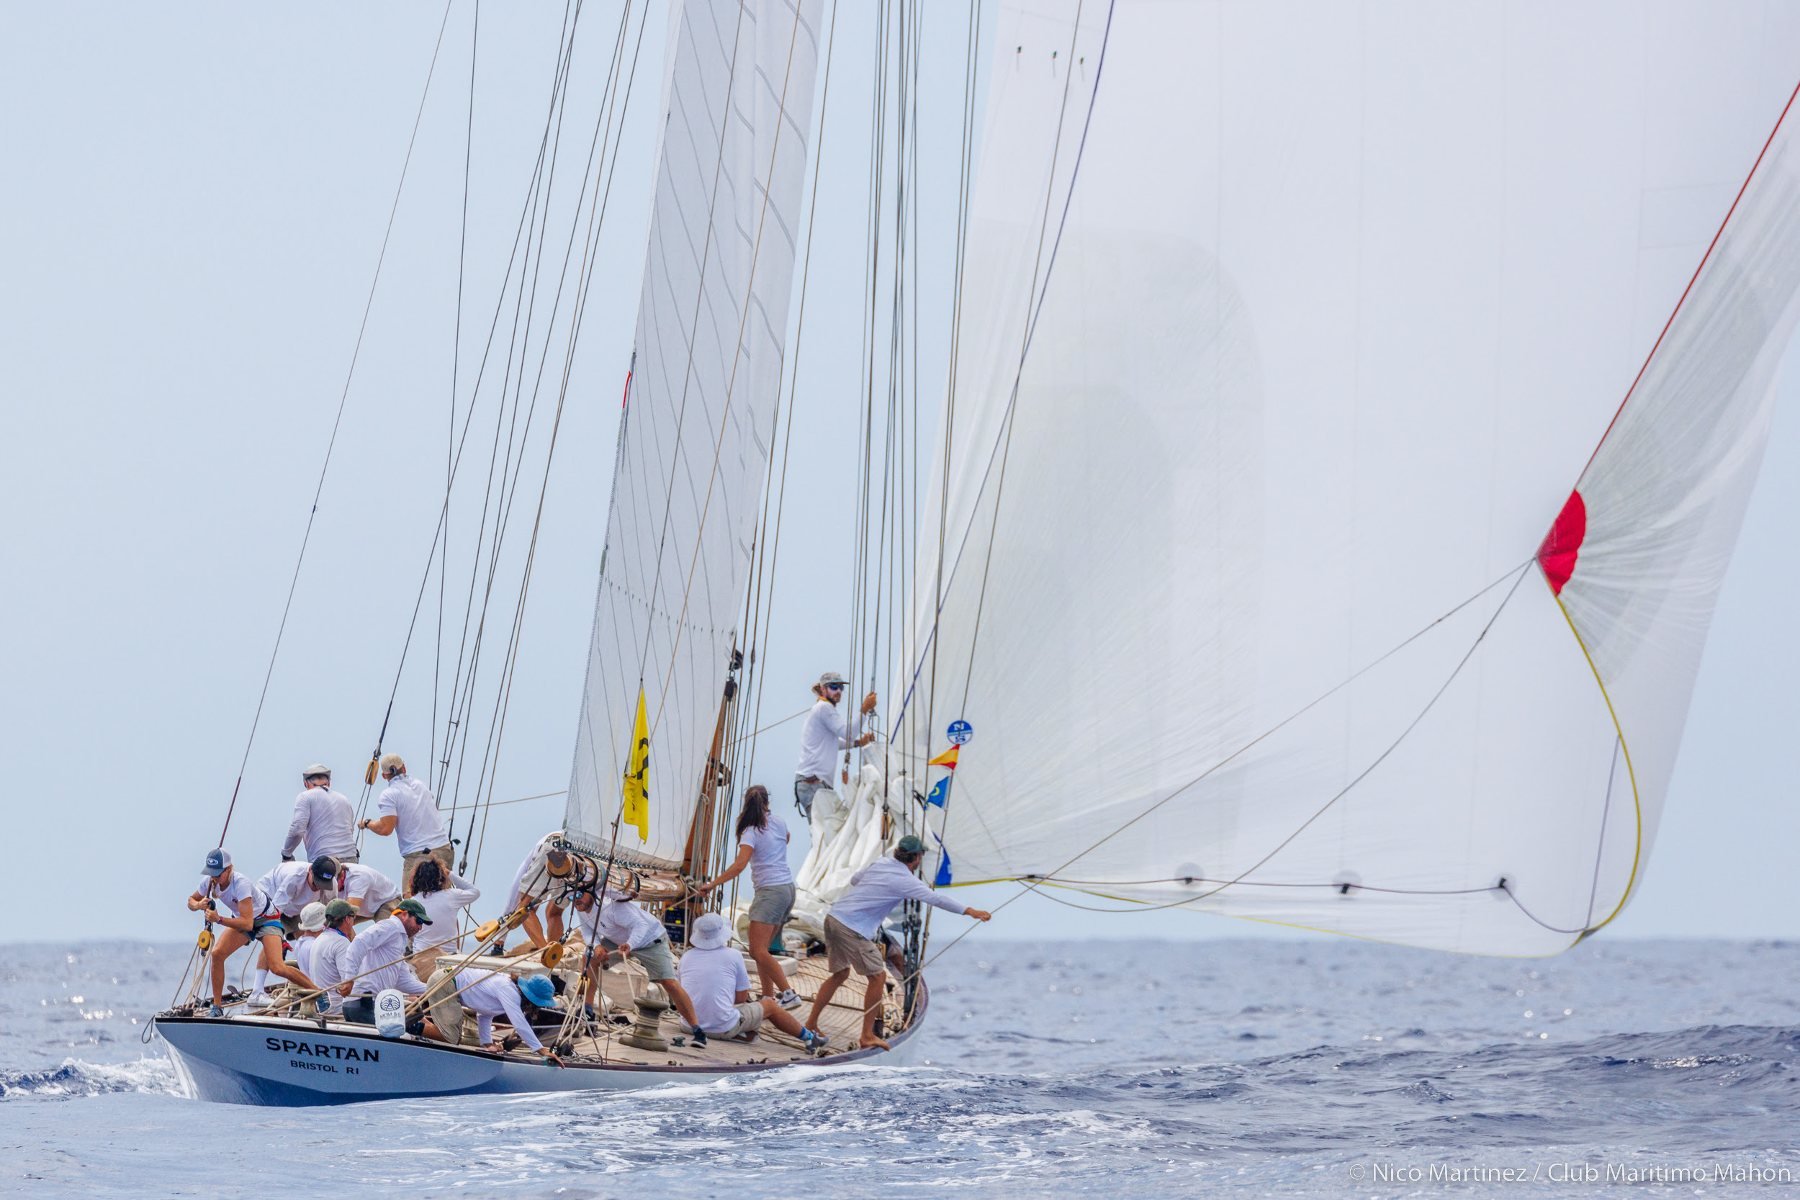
(1287, 332)
(712, 325)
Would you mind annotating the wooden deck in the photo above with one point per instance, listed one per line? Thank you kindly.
(841, 1022)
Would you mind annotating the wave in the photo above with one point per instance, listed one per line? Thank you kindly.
(74, 1079)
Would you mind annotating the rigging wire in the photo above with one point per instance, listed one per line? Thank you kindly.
(336, 424)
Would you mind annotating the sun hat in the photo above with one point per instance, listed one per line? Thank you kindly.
(538, 989)
(216, 862)
(414, 909)
(709, 932)
(312, 918)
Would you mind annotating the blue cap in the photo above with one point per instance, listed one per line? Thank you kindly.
(216, 862)
(538, 989)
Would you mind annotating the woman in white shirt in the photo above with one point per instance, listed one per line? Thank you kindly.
(445, 895)
(762, 846)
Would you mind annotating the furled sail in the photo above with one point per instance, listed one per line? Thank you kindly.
(712, 324)
(1287, 331)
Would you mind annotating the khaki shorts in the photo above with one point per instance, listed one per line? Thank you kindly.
(657, 961)
(446, 1007)
(446, 858)
(772, 905)
(385, 911)
(749, 1020)
(846, 948)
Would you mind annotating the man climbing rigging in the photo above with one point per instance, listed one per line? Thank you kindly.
(410, 812)
(821, 738)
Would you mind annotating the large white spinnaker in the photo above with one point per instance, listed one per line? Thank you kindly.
(712, 327)
(1287, 330)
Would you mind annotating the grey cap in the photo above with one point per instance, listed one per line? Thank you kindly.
(216, 862)
(830, 677)
(315, 769)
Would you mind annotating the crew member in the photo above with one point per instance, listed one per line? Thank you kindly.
(409, 811)
(762, 846)
(485, 995)
(821, 738)
(373, 894)
(281, 896)
(713, 975)
(617, 924)
(547, 872)
(230, 900)
(378, 960)
(331, 955)
(850, 929)
(312, 923)
(323, 819)
(444, 902)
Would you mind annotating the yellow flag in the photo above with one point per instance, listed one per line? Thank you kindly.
(637, 774)
(946, 759)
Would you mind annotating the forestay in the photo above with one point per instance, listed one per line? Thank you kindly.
(712, 324)
(1287, 331)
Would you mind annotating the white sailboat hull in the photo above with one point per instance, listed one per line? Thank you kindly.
(284, 1062)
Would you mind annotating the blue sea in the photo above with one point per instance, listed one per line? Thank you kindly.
(1110, 1068)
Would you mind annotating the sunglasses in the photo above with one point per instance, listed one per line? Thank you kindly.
(834, 687)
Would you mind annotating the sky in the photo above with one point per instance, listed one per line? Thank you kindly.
(192, 205)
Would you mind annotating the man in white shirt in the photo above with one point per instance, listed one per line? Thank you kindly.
(331, 954)
(371, 893)
(822, 737)
(618, 924)
(378, 960)
(713, 975)
(489, 994)
(851, 928)
(312, 923)
(409, 811)
(323, 819)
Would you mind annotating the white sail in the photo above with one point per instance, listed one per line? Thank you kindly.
(1287, 331)
(712, 325)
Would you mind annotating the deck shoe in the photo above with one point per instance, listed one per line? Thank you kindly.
(699, 1039)
(814, 1041)
(213, 1010)
(262, 1000)
(789, 998)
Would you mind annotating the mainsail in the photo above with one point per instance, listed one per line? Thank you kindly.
(1287, 332)
(712, 325)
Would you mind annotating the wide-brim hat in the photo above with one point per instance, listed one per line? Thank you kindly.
(538, 989)
(709, 932)
(312, 918)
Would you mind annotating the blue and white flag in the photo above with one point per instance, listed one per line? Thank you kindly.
(940, 791)
(942, 879)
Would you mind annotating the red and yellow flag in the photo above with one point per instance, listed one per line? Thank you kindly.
(946, 759)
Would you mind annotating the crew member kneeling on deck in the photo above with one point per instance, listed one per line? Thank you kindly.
(615, 923)
(713, 975)
(485, 995)
(378, 960)
(850, 930)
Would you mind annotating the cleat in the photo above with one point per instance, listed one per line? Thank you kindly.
(789, 998)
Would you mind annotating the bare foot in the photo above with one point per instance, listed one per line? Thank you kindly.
(871, 1042)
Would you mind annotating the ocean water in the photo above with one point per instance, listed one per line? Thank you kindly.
(1117, 1068)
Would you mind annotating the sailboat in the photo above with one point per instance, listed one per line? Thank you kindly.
(1348, 419)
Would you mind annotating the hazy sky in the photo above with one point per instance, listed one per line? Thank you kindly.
(191, 204)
